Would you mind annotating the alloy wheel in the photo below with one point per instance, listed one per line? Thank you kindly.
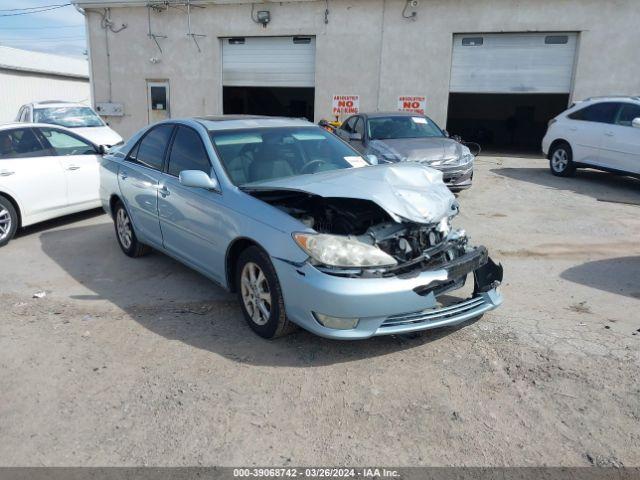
(123, 226)
(5, 223)
(559, 160)
(256, 295)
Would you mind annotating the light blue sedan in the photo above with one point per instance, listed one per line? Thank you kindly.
(299, 224)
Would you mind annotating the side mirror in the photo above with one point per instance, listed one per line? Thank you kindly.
(102, 149)
(197, 179)
(636, 122)
(373, 159)
(446, 133)
(355, 136)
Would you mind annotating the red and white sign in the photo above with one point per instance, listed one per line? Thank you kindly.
(345, 104)
(412, 104)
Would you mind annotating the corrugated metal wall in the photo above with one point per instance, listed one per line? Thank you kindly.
(18, 88)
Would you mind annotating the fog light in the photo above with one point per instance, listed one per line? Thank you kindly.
(336, 322)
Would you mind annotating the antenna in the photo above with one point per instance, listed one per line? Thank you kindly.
(194, 36)
(158, 7)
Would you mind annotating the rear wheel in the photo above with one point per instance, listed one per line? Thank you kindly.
(124, 233)
(8, 221)
(260, 295)
(561, 160)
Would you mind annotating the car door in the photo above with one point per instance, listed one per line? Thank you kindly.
(139, 177)
(358, 129)
(81, 163)
(190, 217)
(621, 149)
(586, 131)
(32, 174)
(347, 128)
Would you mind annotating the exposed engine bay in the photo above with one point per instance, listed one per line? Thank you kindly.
(413, 245)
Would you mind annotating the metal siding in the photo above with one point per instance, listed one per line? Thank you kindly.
(19, 88)
(513, 63)
(269, 62)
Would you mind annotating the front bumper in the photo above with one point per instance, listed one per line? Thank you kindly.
(384, 306)
(457, 179)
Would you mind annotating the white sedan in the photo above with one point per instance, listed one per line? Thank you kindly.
(46, 171)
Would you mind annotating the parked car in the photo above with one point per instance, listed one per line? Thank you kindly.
(402, 136)
(299, 225)
(601, 133)
(45, 172)
(82, 119)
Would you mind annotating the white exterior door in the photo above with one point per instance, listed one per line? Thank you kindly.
(80, 162)
(30, 173)
(269, 61)
(621, 148)
(513, 63)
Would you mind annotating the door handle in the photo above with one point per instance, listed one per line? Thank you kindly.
(123, 176)
(164, 191)
(609, 134)
(73, 167)
(6, 173)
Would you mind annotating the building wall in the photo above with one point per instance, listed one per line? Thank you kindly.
(367, 48)
(19, 87)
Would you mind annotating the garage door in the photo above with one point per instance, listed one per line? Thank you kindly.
(513, 63)
(269, 61)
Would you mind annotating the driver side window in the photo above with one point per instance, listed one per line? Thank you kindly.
(359, 128)
(64, 144)
(349, 124)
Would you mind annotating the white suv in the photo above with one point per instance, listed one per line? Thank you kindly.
(601, 133)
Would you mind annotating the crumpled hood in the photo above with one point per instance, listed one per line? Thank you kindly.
(417, 149)
(406, 191)
(99, 135)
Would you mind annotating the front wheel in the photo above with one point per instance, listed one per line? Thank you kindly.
(260, 295)
(561, 160)
(127, 239)
(8, 221)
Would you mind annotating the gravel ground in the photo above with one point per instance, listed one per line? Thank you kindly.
(144, 362)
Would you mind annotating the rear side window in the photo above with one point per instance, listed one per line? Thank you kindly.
(188, 153)
(349, 124)
(21, 143)
(628, 111)
(600, 112)
(150, 151)
(64, 144)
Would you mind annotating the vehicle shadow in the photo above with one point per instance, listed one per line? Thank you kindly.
(603, 186)
(613, 275)
(177, 303)
(59, 222)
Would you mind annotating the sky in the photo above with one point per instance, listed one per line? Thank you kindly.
(59, 30)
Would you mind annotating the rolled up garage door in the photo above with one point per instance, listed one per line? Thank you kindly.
(513, 63)
(269, 61)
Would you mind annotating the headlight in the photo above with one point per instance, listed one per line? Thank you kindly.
(338, 251)
(465, 159)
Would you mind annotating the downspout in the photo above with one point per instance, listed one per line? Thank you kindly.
(92, 87)
(384, 6)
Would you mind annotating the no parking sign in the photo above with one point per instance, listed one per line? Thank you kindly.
(345, 104)
(412, 104)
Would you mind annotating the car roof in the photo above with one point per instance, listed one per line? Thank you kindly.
(234, 122)
(10, 125)
(614, 98)
(391, 114)
(57, 103)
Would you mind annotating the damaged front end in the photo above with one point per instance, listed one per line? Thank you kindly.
(344, 227)
(382, 253)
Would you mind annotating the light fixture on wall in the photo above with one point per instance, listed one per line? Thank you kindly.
(263, 17)
(409, 11)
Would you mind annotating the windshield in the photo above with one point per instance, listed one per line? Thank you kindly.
(261, 154)
(71, 117)
(381, 128)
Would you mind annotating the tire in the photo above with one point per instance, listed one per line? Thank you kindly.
(561, 160)
(260, 295)
(8, 221)
(124, 233)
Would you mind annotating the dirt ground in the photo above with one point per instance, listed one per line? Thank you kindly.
(144, 362)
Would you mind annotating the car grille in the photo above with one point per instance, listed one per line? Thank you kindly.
(437, 314)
